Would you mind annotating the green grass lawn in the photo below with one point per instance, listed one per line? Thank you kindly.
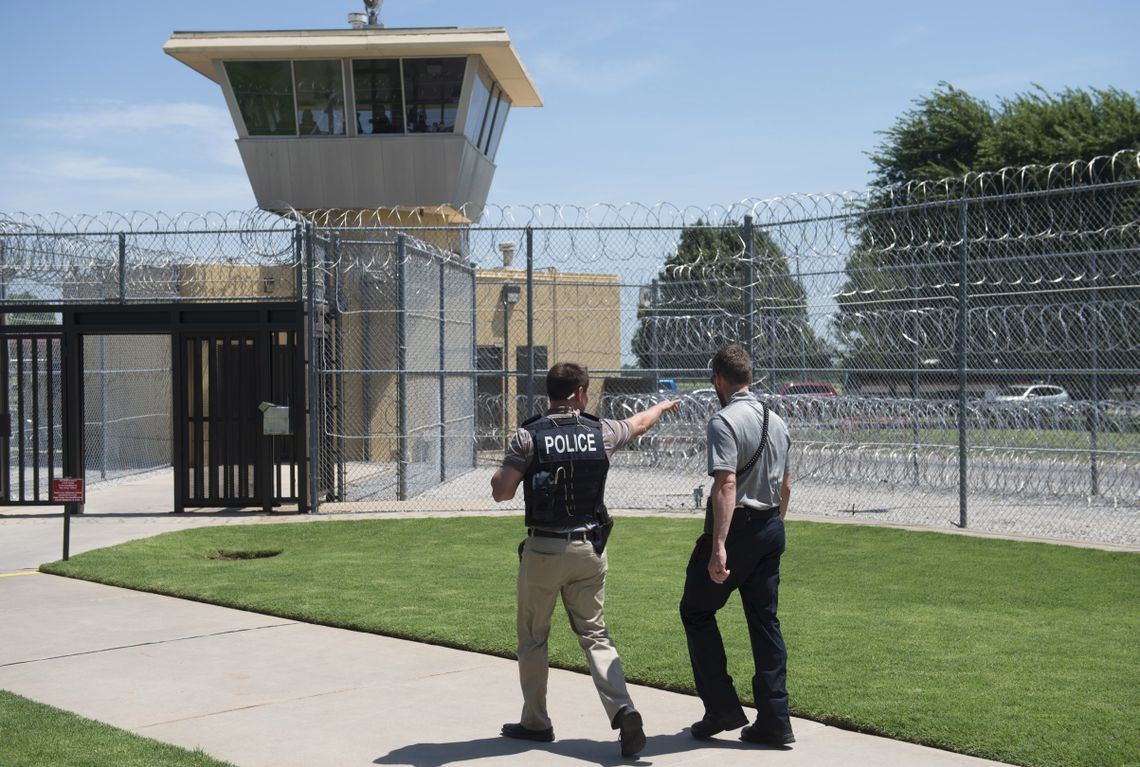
(35, 735)
(1020, 652)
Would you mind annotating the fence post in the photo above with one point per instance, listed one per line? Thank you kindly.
(915, 360)
(312, 466)
(402, 368)
(442, 372)
(963, 329)
(1094, 416)
(122, 268)
(655, 334)
(529, 323)
(750, 291)
(474, 359)
(103, 406)
(338, 366)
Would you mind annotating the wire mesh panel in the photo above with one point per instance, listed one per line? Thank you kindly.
(397, 381)
(127, 399)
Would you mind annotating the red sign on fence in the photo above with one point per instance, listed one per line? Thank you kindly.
(67, 490)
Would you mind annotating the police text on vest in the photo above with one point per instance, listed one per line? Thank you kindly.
(570, 443)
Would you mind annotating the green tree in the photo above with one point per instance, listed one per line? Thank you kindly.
(941, 136)
(708, 294)
(1031, 257)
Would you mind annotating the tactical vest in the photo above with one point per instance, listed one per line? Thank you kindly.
(565, 484)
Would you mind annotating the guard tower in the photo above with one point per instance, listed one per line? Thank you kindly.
(366, 117)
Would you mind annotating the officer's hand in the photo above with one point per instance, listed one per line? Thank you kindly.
(718, 565)
(672, 406)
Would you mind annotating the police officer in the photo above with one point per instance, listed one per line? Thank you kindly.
(562, 459)
(748, 448)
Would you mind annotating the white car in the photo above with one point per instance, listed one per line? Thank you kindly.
(1042, 393)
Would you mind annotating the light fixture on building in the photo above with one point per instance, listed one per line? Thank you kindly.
(511, 294)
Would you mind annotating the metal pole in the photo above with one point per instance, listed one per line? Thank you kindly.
(338, 366)
(915, 361)
(442, 372)
(103, 405)
(963, 329)
(402, 367)
(72, 356)
(655, 336)
(750, 290)
(529, 323)
(474, 362)
(313, 464)
(1094, 363)
(506, 369)
(122, 268)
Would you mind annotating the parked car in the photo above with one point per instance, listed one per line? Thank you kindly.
(1040, 393)
(815, 388)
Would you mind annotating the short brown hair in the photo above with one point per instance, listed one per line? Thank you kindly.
(564, 378)
(733, 364)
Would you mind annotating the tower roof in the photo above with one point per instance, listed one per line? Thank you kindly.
(200, 50)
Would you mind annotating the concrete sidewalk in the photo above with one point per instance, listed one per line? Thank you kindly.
(256, 690)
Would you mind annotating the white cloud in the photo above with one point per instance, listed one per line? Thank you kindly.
(75, 183)
(83, 168)
(102, 117)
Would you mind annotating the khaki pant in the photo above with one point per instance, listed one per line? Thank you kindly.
(550, 567)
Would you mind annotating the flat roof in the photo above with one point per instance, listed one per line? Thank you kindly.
(199, 50)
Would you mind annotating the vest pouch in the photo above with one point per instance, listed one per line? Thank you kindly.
(542, 497)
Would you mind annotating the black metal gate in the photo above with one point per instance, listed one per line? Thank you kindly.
(225, 383)
(31, 418)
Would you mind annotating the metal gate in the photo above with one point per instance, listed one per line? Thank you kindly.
(229, 386)
(31, 421)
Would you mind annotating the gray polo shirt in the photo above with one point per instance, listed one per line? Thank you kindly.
(733, 436)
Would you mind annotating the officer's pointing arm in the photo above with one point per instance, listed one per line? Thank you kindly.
(643, 421)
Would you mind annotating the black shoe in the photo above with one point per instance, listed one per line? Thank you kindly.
(708, 727)
(632, 734)
(751, 734)
(519, 732)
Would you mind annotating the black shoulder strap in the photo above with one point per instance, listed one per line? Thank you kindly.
(763, 442)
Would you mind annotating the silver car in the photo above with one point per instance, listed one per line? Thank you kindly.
(1039, 393)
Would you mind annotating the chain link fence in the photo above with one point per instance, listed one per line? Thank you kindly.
(960, 353)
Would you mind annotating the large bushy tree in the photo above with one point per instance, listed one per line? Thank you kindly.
(1037, 256)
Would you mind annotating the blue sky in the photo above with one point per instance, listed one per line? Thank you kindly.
(689, 103)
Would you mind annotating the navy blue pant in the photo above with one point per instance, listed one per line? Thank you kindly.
(754, 545)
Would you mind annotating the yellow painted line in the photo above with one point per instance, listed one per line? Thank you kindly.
(22, 572)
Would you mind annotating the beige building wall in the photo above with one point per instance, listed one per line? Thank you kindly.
(577, 317)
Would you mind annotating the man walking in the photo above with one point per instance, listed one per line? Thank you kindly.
(748, 447)
(562, 459)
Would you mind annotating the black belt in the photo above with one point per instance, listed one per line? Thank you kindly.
(751, 514)
(576, 535)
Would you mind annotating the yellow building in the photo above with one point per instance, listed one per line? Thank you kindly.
(576, 319)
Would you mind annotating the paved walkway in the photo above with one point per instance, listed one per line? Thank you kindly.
(256, 690)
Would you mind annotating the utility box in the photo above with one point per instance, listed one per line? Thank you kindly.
(275, 419)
